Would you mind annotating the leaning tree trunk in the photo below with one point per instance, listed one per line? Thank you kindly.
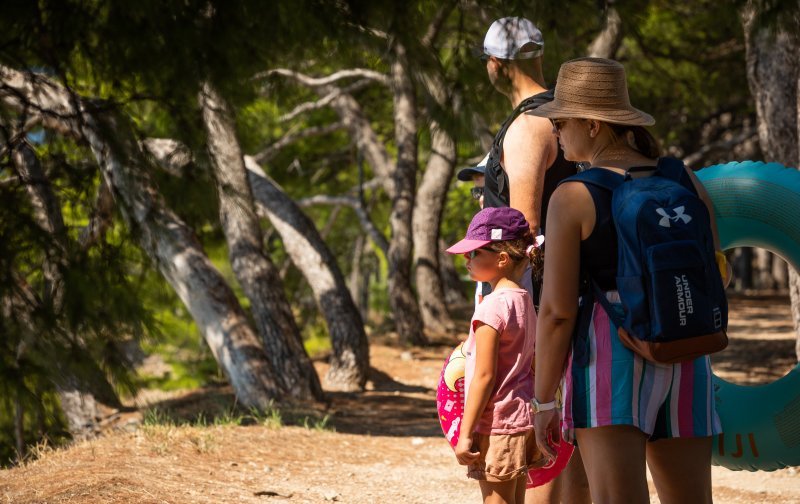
(256, 273)
(773, 72)
(86, 396)
(608, 41)
(451, 281)
(429, 205)
(399, 183)
(163, 236)
(350, 362)
(428, 209)
(401, 298)
(308, 251)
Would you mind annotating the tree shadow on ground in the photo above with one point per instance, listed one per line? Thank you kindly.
(755, 361)
(382, 382)
(391, 409)
(384, 414)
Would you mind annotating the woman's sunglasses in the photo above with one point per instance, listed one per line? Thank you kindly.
(558, 123)
(477, 192)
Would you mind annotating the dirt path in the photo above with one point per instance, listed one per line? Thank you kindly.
(386, 447)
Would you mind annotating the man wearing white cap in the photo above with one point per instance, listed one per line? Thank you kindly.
(525, 163)
(524, 167)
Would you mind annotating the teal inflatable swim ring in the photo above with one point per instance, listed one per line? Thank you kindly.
(757, 205)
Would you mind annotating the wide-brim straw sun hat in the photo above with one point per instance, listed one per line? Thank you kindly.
(593, 88)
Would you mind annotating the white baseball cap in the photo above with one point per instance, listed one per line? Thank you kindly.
(508, 35)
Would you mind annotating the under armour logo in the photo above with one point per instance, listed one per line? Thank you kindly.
(679, 215)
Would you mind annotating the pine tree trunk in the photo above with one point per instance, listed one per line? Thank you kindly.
(453, 287)
(773, 72)
(356, 283)
(398, 180)
(794, 294)
(309, 252)
(163, 236)
(764, 278)
(780, 273)
(427, 218)
(254, 270)
(87, 399)
(608, 41)
(19, 426)
(401, 297)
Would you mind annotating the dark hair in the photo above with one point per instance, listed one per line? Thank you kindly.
(644, 141)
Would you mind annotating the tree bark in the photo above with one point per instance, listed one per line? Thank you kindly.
(398, 179)
(358, 283)
(401, 298)
(608, 41)
(427, 218)
(780, 273)
(429, 204)
(85, 400)
(19, 426)
(254, 270)
(164, 237)
(453, 287)
(308, 251)
(773, 72)
(764, 269)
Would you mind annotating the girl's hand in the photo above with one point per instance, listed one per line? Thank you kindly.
(464, 452)
(547, 428)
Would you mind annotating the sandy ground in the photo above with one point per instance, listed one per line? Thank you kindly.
(381, 446)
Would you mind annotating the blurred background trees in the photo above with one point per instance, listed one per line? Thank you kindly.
(236, 188)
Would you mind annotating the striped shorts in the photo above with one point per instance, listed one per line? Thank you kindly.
(617, 387)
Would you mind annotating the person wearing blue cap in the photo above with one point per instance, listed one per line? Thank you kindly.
(475, 174)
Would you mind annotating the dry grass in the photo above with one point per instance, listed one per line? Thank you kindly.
(381, 446)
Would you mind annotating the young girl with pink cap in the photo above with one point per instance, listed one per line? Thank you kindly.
(496, 441)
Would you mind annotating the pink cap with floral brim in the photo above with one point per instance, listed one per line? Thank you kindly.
(492, 225)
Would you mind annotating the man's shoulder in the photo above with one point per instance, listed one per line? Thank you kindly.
(527, 125)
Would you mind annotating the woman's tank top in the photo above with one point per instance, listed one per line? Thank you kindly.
(599, 249)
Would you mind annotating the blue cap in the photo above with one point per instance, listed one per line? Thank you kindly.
(466, 174)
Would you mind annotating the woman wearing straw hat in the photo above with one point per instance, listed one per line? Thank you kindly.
(621, 409)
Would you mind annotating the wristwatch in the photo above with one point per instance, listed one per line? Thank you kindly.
(537, 406)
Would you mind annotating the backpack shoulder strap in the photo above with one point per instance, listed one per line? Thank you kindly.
(600, 296)
(674, 169)
(599, 177)
(529, 103)
(533, 102)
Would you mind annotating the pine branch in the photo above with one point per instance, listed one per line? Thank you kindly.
(271, 150)
(309, 81)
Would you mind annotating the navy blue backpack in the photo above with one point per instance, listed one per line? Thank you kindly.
(668, 280)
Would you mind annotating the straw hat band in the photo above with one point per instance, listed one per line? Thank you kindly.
(593, 88)
(596, 101)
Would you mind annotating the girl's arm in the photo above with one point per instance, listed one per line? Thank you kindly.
(487, 343)
(570, 209)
